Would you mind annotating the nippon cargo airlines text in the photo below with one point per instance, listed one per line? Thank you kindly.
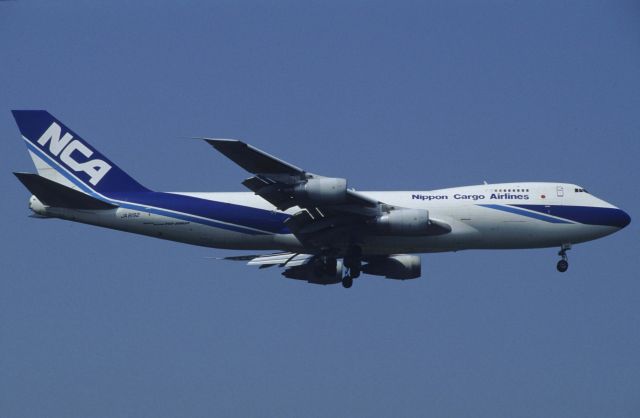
(459, 196)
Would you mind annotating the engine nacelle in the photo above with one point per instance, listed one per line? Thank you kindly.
(400, 267)
(322, 190)
(317, 272)
(404, 222)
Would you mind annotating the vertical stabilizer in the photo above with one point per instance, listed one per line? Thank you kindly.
(62, 156)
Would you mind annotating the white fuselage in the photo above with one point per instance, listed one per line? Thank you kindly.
(489, 216)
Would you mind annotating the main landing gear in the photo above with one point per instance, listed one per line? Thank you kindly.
(353, 272)
(563, 264)
(353, 263)
(347, 281)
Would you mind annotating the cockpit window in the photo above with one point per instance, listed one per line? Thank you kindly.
(579, 190)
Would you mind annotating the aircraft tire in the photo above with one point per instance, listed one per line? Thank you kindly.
(562, 266)
(347, 282)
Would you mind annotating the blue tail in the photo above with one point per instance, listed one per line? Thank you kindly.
(63, 156)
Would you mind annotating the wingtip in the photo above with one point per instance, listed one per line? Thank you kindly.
(223, 141)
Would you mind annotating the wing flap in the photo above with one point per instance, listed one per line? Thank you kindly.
(276, 259)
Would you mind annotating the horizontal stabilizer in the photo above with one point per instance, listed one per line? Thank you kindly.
(55, 194)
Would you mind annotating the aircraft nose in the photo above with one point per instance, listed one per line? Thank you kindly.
(621, 218)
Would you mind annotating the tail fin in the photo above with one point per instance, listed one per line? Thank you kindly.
(62, 156)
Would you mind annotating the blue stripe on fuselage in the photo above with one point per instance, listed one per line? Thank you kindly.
(528, 214)
(189, 208)
(590, 215)
(264, 220)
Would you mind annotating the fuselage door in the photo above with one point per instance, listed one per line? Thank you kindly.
(560, 191)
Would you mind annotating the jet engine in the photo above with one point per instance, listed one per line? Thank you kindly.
(317, 271)
(326, 190)
(403, 222)
(399, 266)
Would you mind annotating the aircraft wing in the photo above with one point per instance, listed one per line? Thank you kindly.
(332, 215)
(270, 260)
(285, 185)
(297, 266)
(252, 159)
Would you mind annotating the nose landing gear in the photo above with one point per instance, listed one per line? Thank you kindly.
(563, 264)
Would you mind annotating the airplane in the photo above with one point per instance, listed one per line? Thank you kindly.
(322, 230)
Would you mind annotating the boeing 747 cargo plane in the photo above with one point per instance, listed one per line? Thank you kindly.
(323, 231)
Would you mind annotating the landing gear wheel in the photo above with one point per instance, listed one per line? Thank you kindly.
(353, 261)
(562, 266)
(347, 282)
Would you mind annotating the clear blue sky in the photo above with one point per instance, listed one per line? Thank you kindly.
(414, 96)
